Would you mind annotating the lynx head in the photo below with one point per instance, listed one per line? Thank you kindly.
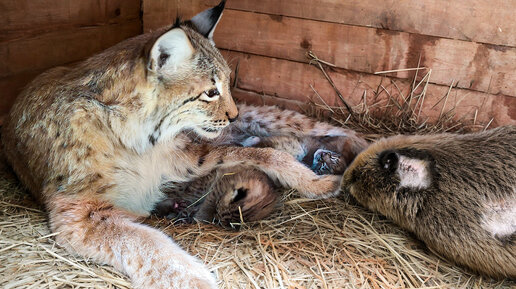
(190, 77)
(163, 82)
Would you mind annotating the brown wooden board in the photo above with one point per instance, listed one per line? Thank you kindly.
(11, 86)
(480, 67)
(159, 13)
(475, 66)
(291, 80)
(249, 97)
(61, 47)
(23, 59)
(28, 18)
(470, 20)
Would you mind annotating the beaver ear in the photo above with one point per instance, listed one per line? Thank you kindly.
(413, 173)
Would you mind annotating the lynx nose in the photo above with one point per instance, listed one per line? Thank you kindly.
(232, 119)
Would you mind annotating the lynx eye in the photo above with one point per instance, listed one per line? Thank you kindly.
(212, 93)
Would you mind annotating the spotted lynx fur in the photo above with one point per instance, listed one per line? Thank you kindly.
(93, 143)
(241, 194)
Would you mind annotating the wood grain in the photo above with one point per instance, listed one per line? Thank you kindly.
(11, 86)
(28, 18)
(480, 67)
(159, 13)
(470, 20)
(475, 66)
(249, 97)
(59, 47)
(291, 80)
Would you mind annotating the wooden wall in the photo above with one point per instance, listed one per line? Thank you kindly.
(38, 34)
(470, 43)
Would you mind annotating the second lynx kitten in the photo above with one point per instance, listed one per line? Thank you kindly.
(226, 197)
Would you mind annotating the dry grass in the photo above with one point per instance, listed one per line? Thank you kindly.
(390, 111)
(305, 244)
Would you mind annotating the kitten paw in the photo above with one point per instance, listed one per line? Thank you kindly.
(251, 141)
(169, 208)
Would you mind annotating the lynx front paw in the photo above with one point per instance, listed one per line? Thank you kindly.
(325, 186)
(180, 276)
(169, 266)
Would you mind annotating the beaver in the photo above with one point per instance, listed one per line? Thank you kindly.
(457, 193)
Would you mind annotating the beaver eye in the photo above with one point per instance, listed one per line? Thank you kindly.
(388, 160)
(212, 92)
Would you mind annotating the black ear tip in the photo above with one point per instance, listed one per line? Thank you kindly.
(388, 160)
(177, 23)
(219, 8)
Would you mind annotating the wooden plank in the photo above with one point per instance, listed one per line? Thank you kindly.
(480, 67)
(61, 47)
(249, 97)
(475, 66)
(471, 20)
(292, 80)
(27, 18)
(159, 13)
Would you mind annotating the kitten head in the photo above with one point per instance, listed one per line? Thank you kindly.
(238, 196)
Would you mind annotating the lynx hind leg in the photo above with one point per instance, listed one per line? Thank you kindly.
(271, 120)
(151, 259)
(288, 144)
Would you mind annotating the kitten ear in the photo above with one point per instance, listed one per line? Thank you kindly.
(170, 51)
(206, 21)
(239, 194)
(413, 173)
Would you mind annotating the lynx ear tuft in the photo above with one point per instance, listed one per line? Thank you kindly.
(170, 51)
(206, 21)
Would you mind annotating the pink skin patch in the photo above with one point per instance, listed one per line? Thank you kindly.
(499, 218)
(413, 173)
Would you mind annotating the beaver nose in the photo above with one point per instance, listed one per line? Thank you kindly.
(232, 119)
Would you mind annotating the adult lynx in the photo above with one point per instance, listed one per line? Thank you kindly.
(94, 142)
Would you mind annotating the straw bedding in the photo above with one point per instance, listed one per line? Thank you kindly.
(305, 244)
